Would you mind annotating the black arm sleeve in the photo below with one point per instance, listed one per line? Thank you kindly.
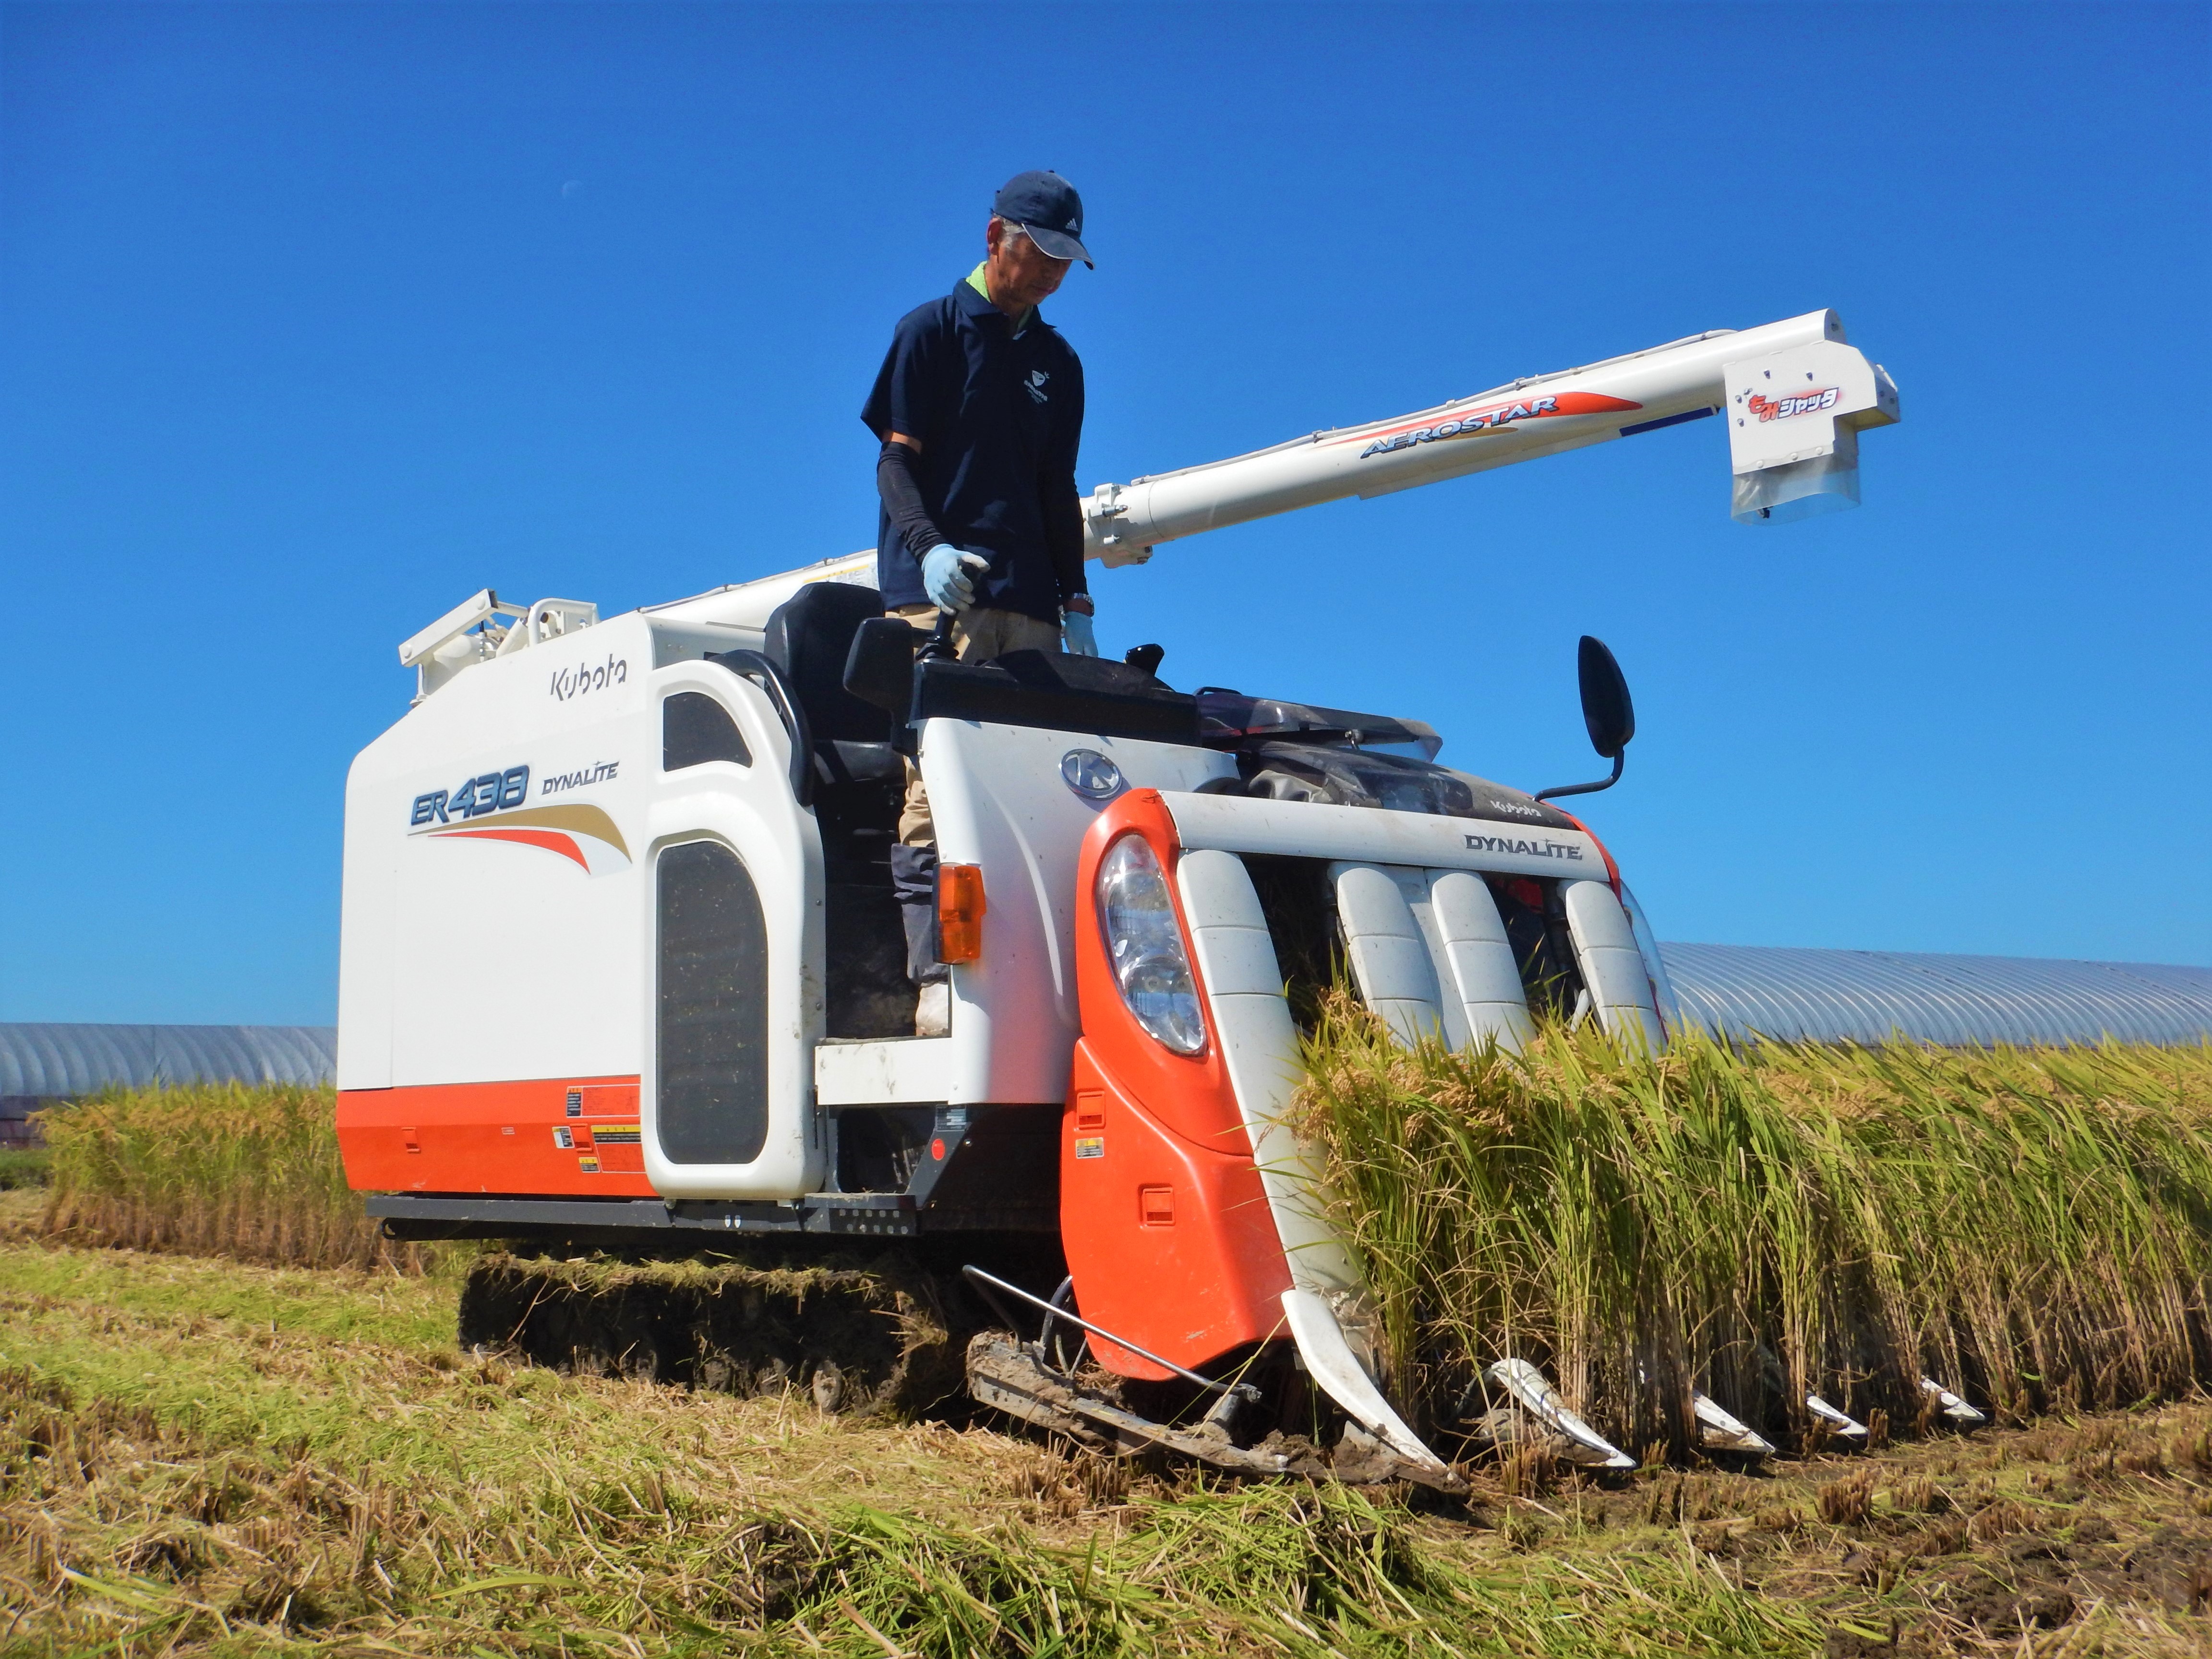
(1063, 532)
(1061, 501)
(899, 483)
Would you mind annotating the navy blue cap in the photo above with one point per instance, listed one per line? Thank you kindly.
(1046, 206)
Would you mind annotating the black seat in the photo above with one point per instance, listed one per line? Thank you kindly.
(809, 637)
(859, 781)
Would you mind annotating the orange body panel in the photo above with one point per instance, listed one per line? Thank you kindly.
(543, 1137)
(1163, 1219)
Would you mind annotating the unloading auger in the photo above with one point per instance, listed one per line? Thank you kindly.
(622, 970)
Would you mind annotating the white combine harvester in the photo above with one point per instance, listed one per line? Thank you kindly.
(621, 963)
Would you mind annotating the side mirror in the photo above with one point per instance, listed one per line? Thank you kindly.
(1606, 712)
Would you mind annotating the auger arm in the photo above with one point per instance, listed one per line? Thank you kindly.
(1796, 396)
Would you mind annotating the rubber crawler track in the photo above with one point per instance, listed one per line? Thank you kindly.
(865, 1333)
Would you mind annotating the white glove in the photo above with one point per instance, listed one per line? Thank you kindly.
(1075, 629)
(945, 578)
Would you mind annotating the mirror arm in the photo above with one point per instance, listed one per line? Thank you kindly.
(1618, 761)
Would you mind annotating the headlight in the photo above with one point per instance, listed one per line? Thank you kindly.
(1145, 945)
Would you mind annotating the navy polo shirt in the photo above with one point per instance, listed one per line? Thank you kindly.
(1000, 415)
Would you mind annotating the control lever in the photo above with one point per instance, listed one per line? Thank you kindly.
(938, 647)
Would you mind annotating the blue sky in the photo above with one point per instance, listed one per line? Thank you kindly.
(313, 320)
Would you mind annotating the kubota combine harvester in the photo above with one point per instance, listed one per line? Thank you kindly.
(622, 971)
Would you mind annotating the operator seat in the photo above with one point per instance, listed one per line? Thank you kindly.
(809, 637)
(859, 782)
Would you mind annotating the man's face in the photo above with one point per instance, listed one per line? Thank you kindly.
(1021, 274)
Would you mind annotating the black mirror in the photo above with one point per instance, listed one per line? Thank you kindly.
(1607, 711)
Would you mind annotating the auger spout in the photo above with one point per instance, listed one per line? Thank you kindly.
(1797, 395)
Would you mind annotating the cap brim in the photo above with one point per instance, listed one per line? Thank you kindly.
(1058, 244)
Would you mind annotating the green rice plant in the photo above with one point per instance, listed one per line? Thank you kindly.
(225, 1169)
(2034, 1227)
(23, 1167)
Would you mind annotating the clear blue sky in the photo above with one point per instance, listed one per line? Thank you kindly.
(313, 320)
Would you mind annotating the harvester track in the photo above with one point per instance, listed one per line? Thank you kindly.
(877, 1333)
(864, 1333)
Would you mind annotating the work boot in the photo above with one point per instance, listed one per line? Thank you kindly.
(932, 1012)
(914, 883)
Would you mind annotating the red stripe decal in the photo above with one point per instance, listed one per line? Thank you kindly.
(1567, 402)
(551, 840)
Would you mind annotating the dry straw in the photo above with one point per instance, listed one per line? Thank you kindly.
(2032, 1226)
(220, 1169)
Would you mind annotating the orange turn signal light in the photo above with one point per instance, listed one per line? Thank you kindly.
(959, 912)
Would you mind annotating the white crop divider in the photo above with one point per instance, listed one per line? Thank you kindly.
(1840, 1424)
(1954, 1407)
(1529, 1389)
(1720, 1430)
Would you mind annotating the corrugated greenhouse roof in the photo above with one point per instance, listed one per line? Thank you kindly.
(1732, 990)
(1867, 996)
(47, 1060)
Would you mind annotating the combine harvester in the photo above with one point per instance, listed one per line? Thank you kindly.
(622, 971)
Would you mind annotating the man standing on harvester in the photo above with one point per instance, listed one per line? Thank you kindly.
(979, 409)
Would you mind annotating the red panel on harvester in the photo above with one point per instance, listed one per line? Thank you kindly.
(546, 1136)
(1165, 1226)
(1171, 1243)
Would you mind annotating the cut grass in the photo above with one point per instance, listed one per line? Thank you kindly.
(176, 1477)
(2033, 1227)
(180, 1481)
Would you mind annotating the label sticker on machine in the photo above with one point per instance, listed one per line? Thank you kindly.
(1091, 1146)
(1523, 847)
(1794, 403)
(1495, 417)
(494, 807)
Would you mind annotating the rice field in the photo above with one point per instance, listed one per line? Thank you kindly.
(204, 1456)
(232, 1421)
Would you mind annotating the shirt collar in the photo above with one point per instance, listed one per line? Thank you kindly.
(975, 297)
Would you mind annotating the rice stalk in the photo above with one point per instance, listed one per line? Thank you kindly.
(2032, 1226)
(216, 1168)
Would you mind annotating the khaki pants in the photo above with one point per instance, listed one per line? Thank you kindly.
(978, 635)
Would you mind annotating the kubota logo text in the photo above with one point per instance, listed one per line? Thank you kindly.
(588, 678)
(1797, 403)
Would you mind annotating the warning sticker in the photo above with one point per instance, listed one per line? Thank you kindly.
(1091, 1146)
